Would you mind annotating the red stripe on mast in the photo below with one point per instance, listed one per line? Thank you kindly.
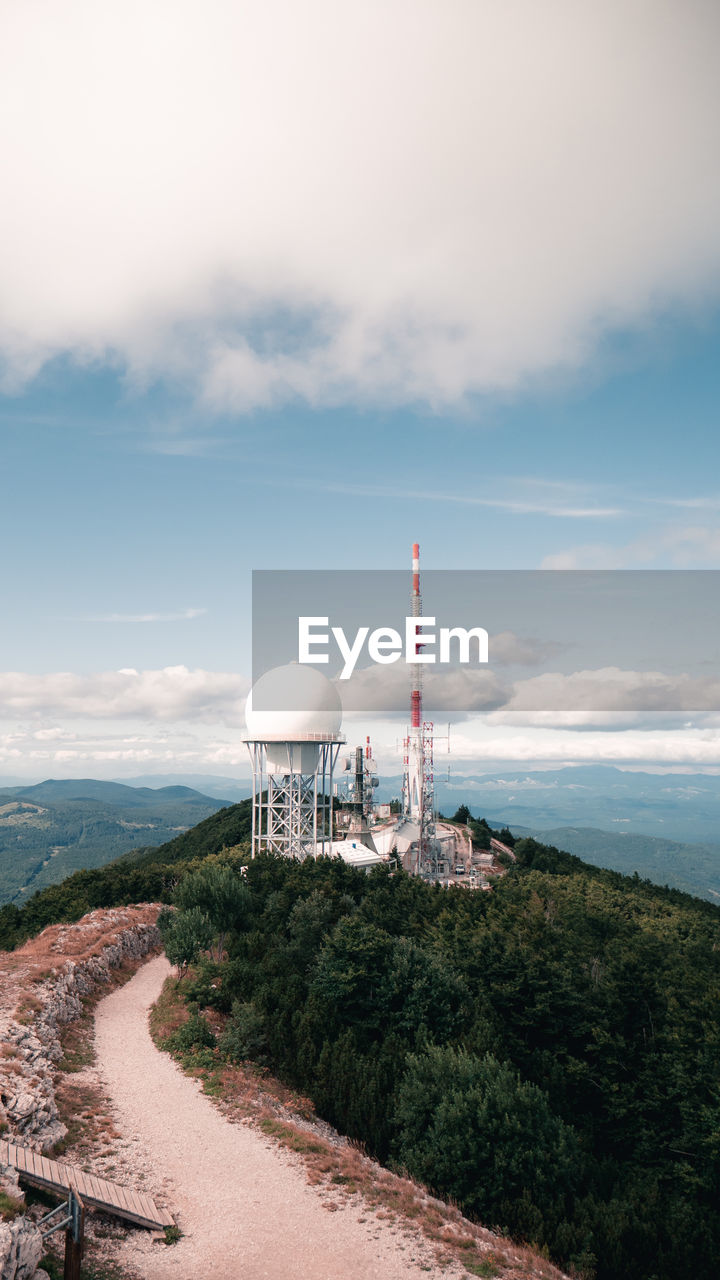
(416, 695)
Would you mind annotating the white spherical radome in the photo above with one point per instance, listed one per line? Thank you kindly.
(292, 703)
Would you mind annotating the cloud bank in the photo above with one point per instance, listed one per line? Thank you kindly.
(176, 718)
(169, 694)
(604, 698)
(403, 201)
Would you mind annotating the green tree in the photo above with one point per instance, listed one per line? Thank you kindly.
(462, 814)
(218, 891)
(481, 833)
(472, 1129)
(185, 935)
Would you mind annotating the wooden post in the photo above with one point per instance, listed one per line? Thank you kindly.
(74, 1237)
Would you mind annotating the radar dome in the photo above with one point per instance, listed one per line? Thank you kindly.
(292, 703)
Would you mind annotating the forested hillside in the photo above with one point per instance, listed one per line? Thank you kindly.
(49, 830)
(694, 868)
(546, 1053)
(141, 875)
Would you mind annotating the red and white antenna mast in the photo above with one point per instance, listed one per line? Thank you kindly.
(416, 693)
(418, 781)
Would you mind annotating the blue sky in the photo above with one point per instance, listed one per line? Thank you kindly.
(116, 513)
(495, 359)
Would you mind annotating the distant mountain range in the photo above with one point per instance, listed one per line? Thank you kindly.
(674, 806)
(54, 828)
(210, 784)
(664, 826)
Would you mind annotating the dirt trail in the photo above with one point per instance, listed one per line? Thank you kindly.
(244, 1204)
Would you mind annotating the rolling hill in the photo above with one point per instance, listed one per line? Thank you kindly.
(672, 806)
(693, 868)
(53, 828)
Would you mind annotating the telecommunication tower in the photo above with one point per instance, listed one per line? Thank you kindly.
(418, 777)
(293, 716)
(358, 792)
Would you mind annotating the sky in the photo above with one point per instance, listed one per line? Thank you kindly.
(294, 286)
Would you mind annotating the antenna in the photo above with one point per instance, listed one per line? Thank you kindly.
(418, 772)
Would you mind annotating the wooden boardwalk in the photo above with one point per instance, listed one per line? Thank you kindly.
(97, 1193)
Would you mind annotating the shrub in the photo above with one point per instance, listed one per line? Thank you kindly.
(192, 1035)
(244, 1037)
(10, 1207)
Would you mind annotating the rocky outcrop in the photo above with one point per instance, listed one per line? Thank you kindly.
(48, 993)
(21, 1248)
(10, 1183)
(42, 988)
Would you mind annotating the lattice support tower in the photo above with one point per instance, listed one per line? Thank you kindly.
(428, 842)
(293, 716)
(292, 809)
(418, 777)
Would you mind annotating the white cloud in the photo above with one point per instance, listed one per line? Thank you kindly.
(177, 702)
(611, 689)
(172, 693)
(605, 698)
(479, 745)
(665, 747)
(182, 615)
(385, 691)
(551, 506)
(98, 751)
(402, 200)
(461, 691)
(682, 546)
(698, 503)
(508, 649)
(601, 749)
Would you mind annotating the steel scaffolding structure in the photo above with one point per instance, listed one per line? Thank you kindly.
(418, 794)
(428, 842)
(292, 811)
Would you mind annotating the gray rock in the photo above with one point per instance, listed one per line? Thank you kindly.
(10, 1183)
(27, 1096)
(21, 1248)
(22, 1106)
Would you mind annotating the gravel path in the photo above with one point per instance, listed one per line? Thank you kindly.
(244, 1205)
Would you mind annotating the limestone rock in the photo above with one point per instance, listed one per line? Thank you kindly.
(21, 1248)
(27, 1094)
(10, 1183)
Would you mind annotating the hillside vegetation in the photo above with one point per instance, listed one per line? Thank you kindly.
(694, 868)
(545, 1054)
(49, 830)
(142, 875)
